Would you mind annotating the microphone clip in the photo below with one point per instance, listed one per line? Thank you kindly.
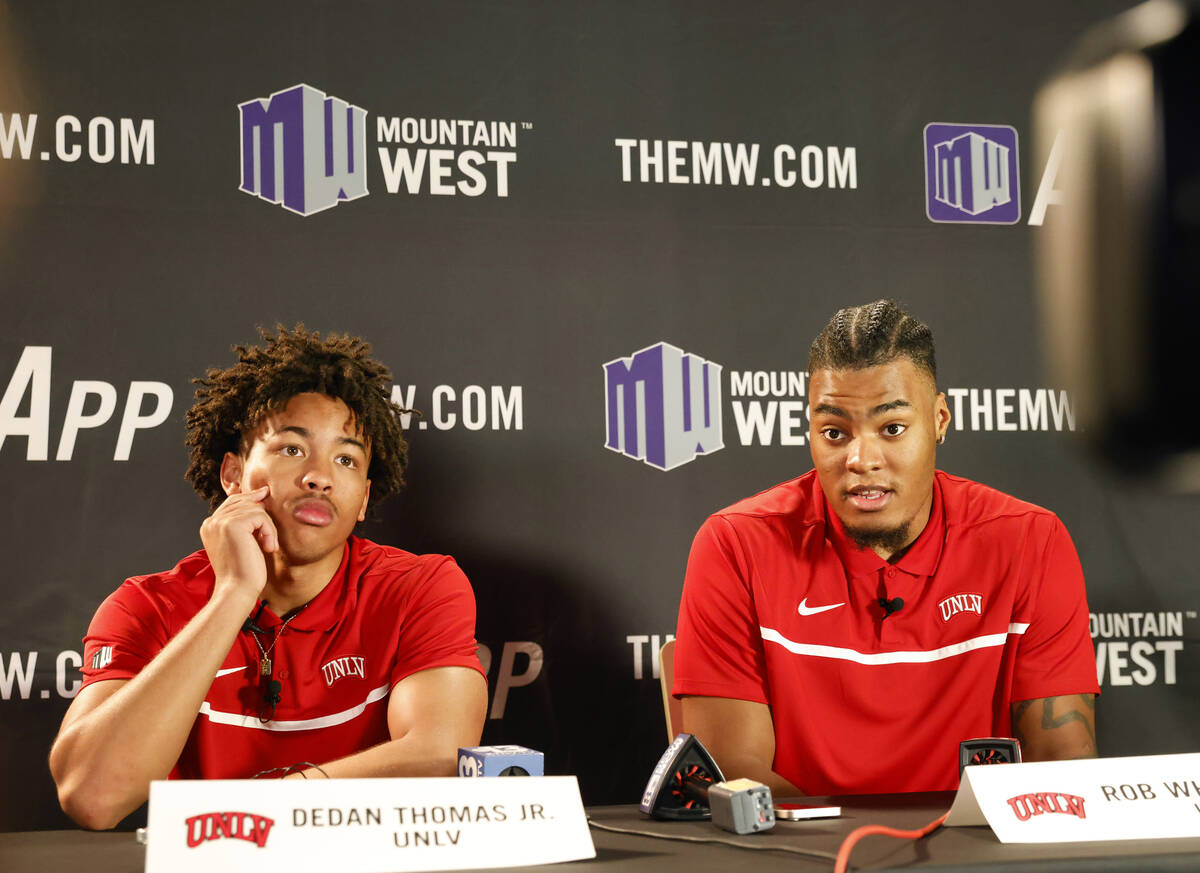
(891, 606)
(251, 622)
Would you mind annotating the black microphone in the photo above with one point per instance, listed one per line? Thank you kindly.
(271, 698)
(890, 606)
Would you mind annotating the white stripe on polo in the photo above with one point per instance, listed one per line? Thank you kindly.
(234, 719)
(874, 659)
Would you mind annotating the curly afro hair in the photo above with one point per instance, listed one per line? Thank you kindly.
(232, 403)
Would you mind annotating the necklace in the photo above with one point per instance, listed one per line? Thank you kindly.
(272, 687)
(265, 667)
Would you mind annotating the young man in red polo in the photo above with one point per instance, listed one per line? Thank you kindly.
(287, 645)
(842, 632)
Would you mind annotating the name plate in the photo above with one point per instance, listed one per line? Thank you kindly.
(364, 825)
(1077, 801)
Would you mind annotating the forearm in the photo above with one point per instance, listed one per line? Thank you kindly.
(407, 756)
(740, 736)
(742, 767)
(1056, 728)
(105, 757)
(431, 714)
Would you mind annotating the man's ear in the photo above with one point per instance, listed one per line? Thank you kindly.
(231, 473)
(362, 512)
(941, 417)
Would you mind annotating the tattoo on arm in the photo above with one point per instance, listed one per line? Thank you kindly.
(1019, 711)
(1050, 721)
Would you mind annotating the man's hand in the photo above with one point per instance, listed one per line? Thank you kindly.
(119, 735)
(1056, 728)
(740, 736)
(238, 536)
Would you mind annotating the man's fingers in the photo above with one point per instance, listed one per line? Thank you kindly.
(258, 495)
(261, 526)
(268, 537)
(244, 510)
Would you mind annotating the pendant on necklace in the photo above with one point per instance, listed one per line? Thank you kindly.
(264, 666)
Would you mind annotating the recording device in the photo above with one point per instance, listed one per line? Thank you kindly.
(890, 606)
(1118, 255)
(988, 750)
(500, 761)
(742, 806)
(687, 785)
(678, 786)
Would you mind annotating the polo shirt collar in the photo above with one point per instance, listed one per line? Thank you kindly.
(920, 560)
(337, 599)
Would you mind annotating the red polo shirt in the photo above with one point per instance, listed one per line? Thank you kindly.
(779, 607)
(385, 615)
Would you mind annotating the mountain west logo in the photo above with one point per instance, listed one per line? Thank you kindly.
(663, 406)
(102, 658)
(1026, 806)
(956, 603)
(303, 150)
(228, 825)
(352, 665)
(971, 173)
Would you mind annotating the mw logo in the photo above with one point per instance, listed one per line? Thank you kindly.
(663, 406)
(303, 150)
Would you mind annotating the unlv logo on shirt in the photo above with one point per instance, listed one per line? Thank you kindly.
(956, 603)
(228, 825)
(351, 665)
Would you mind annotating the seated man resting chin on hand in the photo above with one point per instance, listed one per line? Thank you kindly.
(841, 633)
(287, 644)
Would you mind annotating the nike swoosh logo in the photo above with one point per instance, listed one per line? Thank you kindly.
(229, 670)
(805, 609)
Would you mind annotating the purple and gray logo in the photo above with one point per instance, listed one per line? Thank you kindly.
(303, 150)
(971, 173)
(663, 406)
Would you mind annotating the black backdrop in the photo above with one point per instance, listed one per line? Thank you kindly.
(129, 257)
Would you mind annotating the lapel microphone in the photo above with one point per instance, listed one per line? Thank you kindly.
(271, 698)
(272, 689)
(891, 606)
(251, 624)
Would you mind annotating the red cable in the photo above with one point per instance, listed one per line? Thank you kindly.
(843, 855)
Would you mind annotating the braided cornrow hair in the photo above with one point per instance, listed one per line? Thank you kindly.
(872, 334)
(232, 403)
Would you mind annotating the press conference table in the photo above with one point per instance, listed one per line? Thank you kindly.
(974, 850)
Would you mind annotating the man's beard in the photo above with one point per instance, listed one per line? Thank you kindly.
(890, 539)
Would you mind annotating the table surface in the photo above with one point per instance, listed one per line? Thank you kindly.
(973, 849)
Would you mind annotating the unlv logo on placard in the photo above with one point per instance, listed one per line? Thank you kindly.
(228, 825)
(1025, 806)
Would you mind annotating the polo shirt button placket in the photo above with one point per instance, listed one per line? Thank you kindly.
(889, 575)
